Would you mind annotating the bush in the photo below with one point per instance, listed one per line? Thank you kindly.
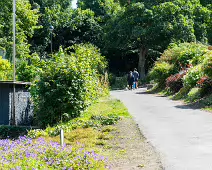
(174, 82)
(182, 93)
(120, 83)
(207, 64)
(6, 71)
(183, 54)
(206, 84)
(68, 84)
(194, 74)
(12, 132)
(194, 94)
(160, 72)
(29, 68)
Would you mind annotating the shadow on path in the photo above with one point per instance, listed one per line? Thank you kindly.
(147, 92)
(194, 106)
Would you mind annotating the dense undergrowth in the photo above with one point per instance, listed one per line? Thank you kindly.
(85, 141)
(184, 71)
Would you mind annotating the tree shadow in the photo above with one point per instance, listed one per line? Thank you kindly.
(151, 92)
(143, 92)
(194, 106)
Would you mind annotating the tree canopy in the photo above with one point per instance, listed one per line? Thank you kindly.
(153, 25)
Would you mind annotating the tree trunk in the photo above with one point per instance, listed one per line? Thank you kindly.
(141, 63)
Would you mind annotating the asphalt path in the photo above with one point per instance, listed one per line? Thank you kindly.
(181, 135)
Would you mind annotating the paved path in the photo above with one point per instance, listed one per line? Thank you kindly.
(182, 136)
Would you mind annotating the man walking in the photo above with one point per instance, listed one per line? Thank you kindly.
(136, 77)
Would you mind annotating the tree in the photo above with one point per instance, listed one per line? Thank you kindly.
(141, 29)
(73, 27)
(41, 39)
(101, 8)
(26, 22)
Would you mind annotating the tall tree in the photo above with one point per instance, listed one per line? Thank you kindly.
(139, 28)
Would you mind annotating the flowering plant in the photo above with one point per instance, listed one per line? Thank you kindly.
(175, 82)
(25, 153)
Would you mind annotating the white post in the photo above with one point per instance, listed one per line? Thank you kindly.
(14, 54)
(61, 137)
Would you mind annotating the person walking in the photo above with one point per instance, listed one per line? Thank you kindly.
(130, 80)
(136, 77)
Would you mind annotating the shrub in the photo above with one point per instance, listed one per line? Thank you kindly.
(12, 132)
(6, 71)
(194, 74)
(194, 94)
(160, 72)
(174, 82)
(182, 93)
(206, 84)
(207, 101)
(184, 54)
(207, 64)
(120, 83)
(68, 84)
(29, 68)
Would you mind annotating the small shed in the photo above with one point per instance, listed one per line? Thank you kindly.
(23, 104)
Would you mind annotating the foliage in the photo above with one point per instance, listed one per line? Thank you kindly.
(26, 22)
(160, 72)
(207, 64)
(101, 8)
(71, 26)
(119, 83)
(12, 132)
(155, 27)
(183, 54)
(207, 101)
(194, 94)
(25, 153)
(181, 94)
(194, 74)
(6, 71)
(174, 82)
(30, 68)
(206, 84)
(68, 84)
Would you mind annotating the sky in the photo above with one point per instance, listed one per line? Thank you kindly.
(74, 3)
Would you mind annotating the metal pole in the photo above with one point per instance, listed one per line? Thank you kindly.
(61, 137)
(14, 54)
(51, 42)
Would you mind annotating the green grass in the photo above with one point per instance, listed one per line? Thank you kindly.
(104, 112)
(91, 128)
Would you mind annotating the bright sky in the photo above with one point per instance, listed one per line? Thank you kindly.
(74, 3)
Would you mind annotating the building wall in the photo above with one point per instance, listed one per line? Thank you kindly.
(23, 105)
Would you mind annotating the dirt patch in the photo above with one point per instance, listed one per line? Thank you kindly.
(131, 151)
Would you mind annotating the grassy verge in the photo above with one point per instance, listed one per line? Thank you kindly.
(192, 97)
(86, 145)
